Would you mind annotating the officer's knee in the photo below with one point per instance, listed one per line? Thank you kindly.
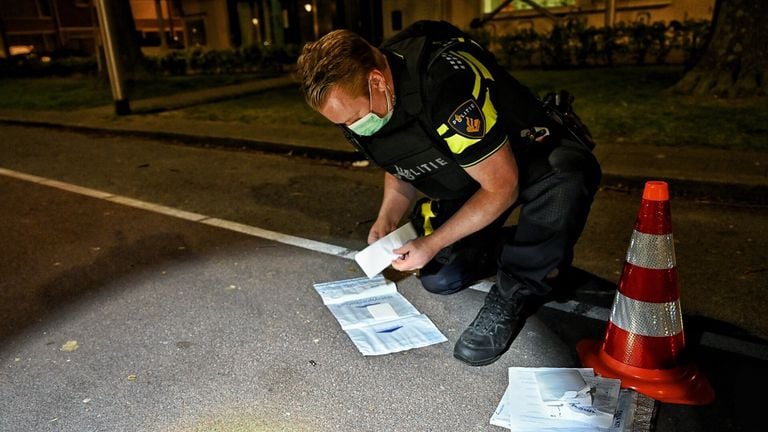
(572, 159)
(443, 278)
(439, 284)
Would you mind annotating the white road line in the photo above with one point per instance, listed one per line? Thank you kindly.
(21, 176)
(721, 342)
(190, 216)
(733, 345)
(312, 245)
(76, 189)
(583, 309)
(156, 208)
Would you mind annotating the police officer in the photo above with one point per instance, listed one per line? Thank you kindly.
(433, 109)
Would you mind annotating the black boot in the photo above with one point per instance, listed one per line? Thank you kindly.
(493, 330)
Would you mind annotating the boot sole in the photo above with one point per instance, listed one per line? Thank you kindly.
(480, 362)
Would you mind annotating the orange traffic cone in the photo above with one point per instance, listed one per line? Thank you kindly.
(644, 339)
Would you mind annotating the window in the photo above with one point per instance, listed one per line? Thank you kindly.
(18, 9)
(516, 5)
(196, 32)
(397, 20)
(44, 8)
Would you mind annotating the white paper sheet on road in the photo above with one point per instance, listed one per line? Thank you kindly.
(623, 421)
(521, 408)
(378, 256)
(353, 289)
(377, 318)
(371, 310)
(397, 335)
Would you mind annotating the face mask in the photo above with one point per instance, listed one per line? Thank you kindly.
(370, 123)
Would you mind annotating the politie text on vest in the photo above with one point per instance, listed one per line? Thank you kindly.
(418, 170)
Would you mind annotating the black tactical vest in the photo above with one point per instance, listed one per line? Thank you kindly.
(408, 146)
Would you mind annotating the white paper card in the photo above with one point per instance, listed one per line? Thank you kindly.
(378, 256)
(357, 313)
(559, 386)
(382, 312)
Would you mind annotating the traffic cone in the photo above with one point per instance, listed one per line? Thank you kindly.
(644, 339)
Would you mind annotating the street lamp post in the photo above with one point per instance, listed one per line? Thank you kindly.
(610, 13)
(315, 22)
(114, 67)
(161, 24)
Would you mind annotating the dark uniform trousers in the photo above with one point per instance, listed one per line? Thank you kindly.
(553, 212)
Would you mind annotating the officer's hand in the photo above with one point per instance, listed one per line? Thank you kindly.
(380, 229)
(414, 255)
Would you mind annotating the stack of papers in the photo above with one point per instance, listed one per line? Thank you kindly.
(559, 399)
(376, 317)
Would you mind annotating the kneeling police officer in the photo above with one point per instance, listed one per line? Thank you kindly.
(441, 117)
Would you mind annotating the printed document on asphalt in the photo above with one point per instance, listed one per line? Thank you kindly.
(376, 317)
(557, 399)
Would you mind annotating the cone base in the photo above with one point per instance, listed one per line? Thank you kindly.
(683, 384)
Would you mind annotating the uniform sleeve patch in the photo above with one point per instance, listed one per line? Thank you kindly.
(468, 120)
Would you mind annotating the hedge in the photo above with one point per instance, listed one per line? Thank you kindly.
(253, 58)
(569, 45)
(178, 62)
(573, 44)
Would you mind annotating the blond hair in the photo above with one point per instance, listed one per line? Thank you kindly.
(340, 58)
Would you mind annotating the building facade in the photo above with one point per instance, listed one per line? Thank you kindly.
(522, 15)
(71, 25)
(46, 26)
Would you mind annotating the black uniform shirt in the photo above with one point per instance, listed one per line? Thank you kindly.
(458, 94)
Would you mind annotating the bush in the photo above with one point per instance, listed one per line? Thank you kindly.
(692, 38)
(249, 59)
(554, 47)
(35, 66)
(253, 58)
(663, 40)
(195, 61)
(276, 57)
(252, 55)
(520, 47)
(173, 63)
(573, 44)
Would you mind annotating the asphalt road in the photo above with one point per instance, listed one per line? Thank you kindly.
(720, 248)
(189, 327)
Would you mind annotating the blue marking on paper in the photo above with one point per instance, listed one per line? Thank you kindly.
(390, 330)
(394, 336)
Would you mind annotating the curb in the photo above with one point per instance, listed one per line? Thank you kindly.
(718, 192)
(698, 190)
(202, 140)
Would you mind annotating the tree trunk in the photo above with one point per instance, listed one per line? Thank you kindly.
(735, 63)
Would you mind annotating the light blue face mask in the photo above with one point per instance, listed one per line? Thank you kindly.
(370, 123)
